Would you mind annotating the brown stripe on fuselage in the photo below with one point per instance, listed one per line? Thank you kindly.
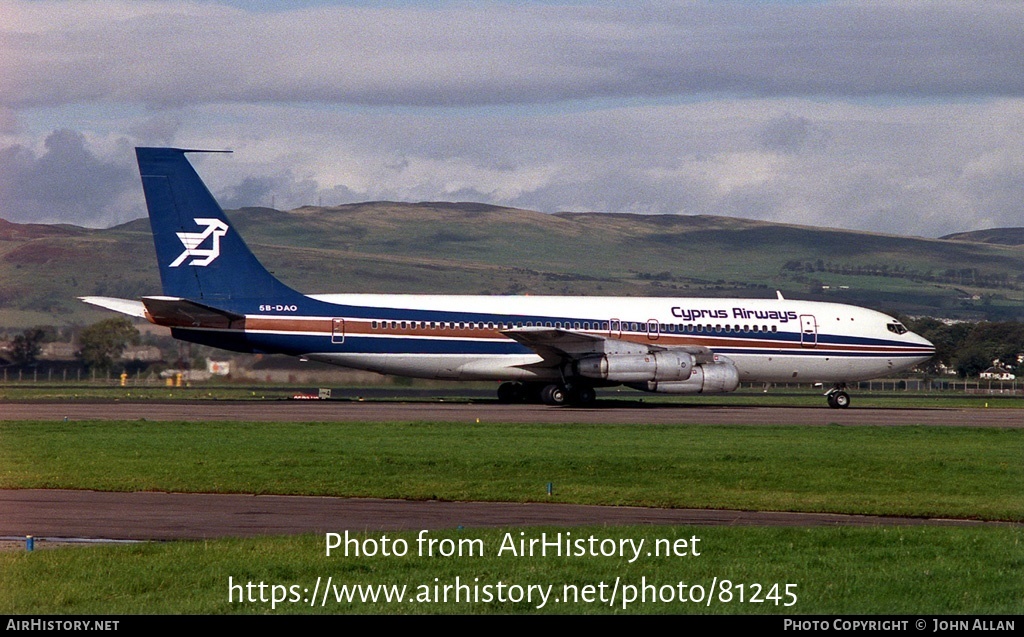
(361, 327)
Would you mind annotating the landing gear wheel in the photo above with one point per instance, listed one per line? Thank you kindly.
(584, 396)
(510, 393)
(838, 400)
(555, 395)
(532, 393)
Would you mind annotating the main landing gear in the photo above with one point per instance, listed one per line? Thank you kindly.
(837, 397)
(555, 394)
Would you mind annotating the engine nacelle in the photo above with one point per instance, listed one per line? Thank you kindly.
(638, 368)
(709, 378)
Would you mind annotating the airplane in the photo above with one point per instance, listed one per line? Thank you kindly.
(552, 349)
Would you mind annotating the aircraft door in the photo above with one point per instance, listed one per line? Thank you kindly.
(338, 330)
(615, 328)
(808, 331)
(653, 329)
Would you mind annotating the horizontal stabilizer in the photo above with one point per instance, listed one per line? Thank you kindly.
(124, 306)
(177, 312)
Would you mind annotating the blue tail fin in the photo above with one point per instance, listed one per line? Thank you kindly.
(201, 256)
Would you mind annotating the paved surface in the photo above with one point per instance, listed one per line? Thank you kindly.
(619, 412)
(165, 516)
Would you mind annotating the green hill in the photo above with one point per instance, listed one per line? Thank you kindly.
(1003, 236)
(483, 249)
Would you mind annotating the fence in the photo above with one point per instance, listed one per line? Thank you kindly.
(78, 375)
(914, 385)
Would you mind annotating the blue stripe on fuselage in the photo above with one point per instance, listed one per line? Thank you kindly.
(298, 344)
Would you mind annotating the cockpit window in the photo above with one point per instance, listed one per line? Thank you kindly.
(897, 328)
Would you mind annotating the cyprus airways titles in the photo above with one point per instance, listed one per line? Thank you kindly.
(553, 349)
(737, 312)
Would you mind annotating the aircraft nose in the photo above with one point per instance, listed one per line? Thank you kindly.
(927, 347)
(926, 343)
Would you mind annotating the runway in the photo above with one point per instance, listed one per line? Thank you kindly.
(610, 412)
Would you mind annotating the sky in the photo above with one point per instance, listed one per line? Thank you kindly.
(896, 117)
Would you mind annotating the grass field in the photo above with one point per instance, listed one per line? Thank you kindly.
(934, 471)
(913, 570)
(950, 472)
(916, 471)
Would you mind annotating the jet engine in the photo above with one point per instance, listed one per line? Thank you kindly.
(637, 368)
(707, 378)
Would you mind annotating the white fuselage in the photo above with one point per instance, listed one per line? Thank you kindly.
(460, 337)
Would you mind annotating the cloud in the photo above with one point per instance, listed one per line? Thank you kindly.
(158, 130)
(279, 190)
(913, 169)
(8, 121)
(896, 117)
(66, 184)
(790, 134)
(174, 54)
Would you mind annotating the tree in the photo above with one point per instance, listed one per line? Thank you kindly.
(972, 361)
(25, 347)
(102, 343)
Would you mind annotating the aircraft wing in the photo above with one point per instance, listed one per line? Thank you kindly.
(556, 345)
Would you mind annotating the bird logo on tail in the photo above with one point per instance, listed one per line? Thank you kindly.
(216, 229)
